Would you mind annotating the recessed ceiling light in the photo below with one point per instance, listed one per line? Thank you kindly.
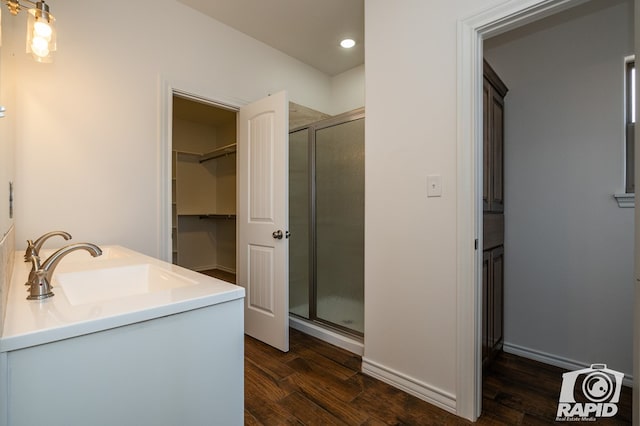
(347, 43)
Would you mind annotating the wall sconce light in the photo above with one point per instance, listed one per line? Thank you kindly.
(41, 33)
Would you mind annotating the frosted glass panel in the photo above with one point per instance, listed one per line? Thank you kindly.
(299, 278)
(340, 224)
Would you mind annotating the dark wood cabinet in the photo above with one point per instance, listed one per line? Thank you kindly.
(492, 303)
(494, 91)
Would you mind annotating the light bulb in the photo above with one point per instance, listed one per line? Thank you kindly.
(42, 29)
(41, 33)
(347, 43)
(40, 47)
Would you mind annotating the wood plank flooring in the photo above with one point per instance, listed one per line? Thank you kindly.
(318, 384)
(220, 274)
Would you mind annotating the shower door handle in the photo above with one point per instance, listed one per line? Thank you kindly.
(277, 234)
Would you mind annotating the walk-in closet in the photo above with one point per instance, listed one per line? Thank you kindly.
(204, 187)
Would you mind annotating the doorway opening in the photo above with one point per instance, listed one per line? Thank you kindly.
(472, 33)
(558, 225)
(203, 187)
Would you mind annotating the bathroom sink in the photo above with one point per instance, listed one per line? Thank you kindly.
(105, 284)
(108, 253)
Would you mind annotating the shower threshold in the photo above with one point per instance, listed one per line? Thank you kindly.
(350, 343)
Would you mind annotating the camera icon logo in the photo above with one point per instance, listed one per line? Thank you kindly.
(589, 393)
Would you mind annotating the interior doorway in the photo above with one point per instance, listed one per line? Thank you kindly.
(472, 32)
(247, 195)
(559, 242)
(203, 187)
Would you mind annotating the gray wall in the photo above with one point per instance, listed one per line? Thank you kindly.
(568, 246)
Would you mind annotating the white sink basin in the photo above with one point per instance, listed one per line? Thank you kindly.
(104, 284)
(108, 253)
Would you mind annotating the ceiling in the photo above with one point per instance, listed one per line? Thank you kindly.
(308, 30)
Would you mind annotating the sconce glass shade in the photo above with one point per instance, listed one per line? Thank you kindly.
(41, 33)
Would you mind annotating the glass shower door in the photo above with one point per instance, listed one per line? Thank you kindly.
(339, 224)
(299, 223)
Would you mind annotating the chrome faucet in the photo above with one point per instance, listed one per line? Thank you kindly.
(33, 247)
(40, 279)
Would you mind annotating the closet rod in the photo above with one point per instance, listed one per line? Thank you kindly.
(217, 216)
(220, 152)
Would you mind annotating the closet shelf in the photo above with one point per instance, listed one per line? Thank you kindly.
(219, 152)
(209, 215)
(218, 216)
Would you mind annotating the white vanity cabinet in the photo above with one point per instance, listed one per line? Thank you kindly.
(183, 369)
(178, 361)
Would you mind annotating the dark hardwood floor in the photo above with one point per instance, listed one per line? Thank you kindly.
(318, 384)
(220, 274)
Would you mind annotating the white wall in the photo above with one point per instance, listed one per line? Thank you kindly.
(568, 246)
(347, 90)
(7, 173)
(88, 127)
(7, 136)
(410, 240)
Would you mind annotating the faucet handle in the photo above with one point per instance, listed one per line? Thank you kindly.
(29, 251)
(35, 266)
(33, 247)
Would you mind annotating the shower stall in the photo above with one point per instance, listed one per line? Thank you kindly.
(326, 220)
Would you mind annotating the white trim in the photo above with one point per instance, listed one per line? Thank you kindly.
(4, 389)
(226, 269)
(165, 113)
(201, 267)
(555, 360)
(430, 394)
(326, 335)
(468, 382)
(166, 90)
(625, 200)
(471, 32)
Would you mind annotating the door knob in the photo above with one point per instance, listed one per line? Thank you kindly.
(277, 234)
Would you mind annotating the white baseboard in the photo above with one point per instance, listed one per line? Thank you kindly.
(326, 335)
(201, 268)
(424, 391)
(555, 360)
(225, 269)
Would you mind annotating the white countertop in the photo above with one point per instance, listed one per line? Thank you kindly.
(34, 322)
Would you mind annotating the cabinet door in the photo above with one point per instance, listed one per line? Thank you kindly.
(497, 302)
(494, 91)
(497, 152)
(486, 145)
(486, 279)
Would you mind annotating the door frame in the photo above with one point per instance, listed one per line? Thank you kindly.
(166, 90)
(471, 33)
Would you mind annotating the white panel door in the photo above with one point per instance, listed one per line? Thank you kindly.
(263, 218)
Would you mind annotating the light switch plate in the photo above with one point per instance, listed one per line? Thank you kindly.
(434, 186)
